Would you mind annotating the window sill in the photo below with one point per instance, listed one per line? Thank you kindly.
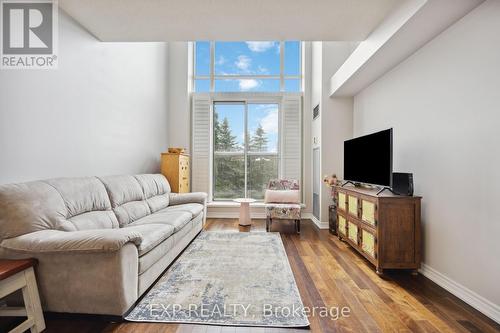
(232, 204)
(229, 203)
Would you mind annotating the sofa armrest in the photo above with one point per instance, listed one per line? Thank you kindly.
(184, 198)
(55, 241)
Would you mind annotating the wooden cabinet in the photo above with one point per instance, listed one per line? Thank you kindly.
(176, 168)
(384, 228)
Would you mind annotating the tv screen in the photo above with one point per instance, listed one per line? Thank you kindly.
(368, 159)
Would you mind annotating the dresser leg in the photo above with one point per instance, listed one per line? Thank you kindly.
(414, 272)
(379, 271)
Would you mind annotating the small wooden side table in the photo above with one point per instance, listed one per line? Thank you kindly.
(15, 275)
(245, 219)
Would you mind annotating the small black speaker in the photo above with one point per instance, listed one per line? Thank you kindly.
(402, 183)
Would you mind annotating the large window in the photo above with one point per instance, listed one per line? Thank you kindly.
(246, 148)
(248, 66)
(252, 87)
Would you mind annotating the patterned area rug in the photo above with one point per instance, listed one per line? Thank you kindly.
(227, 278)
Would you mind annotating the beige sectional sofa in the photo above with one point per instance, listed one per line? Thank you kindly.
(101, 242)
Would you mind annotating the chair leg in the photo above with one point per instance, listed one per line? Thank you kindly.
(32, 302)
(267, 223)
(270, 224)
(297, 226)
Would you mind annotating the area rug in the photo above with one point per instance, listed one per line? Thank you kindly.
(227, 278)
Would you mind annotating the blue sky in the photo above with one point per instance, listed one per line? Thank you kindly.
(264, 114)
(248, 58)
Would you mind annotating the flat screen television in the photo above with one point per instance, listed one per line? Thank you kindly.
(368, 159)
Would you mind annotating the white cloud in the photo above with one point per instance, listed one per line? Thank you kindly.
(263, 70)
(270, 122)
(243, 63)
(248, 84)
(221, 60)
(260, 46)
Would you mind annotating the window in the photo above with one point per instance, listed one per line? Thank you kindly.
(252, 116)
(246, 148)
(248, 66)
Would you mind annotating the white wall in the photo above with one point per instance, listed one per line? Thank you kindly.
(316, 90)
(334, 125)
(180, 57)
(443, 103)
(104, 111)
(306, 129)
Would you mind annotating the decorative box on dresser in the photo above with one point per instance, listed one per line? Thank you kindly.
(175, 167)
(384, 228)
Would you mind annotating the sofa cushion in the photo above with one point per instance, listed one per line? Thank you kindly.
(151, 235)
(194, 209)
(177, 219)
(29, 207)
(87, 204)
(150, 258)
(283, 211)
(72, 242)
(154, 255)
(156, 190)
(191, 197)
(127, 199)
(282, 196)
(184, 231)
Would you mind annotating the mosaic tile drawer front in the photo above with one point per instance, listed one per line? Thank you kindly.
(353, 205)
(342, 201)
(368, 242)
(368, 212)
(342, 225)
(353, 232)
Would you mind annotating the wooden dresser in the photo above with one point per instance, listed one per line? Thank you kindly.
(384, 228)
(176, 168)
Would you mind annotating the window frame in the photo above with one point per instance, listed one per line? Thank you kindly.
(245, 99)
(212, 77)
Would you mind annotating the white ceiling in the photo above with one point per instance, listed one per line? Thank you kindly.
(180, 20)
(405, 31)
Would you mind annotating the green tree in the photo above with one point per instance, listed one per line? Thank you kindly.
(259, 141)
(261, 167)
(229, 170)
(216, 131)
(226, 141)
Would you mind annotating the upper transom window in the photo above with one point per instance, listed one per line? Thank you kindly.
(248, 66)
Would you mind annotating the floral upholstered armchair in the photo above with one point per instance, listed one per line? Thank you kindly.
(282, 200)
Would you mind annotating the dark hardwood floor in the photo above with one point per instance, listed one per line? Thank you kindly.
(330, 274)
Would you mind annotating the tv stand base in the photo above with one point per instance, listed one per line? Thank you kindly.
(385, 188)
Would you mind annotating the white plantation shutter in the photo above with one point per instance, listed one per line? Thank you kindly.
(291, 147)
(201, 149)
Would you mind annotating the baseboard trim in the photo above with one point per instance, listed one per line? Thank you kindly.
(317, 223)
(470, 297)
(233, 215)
